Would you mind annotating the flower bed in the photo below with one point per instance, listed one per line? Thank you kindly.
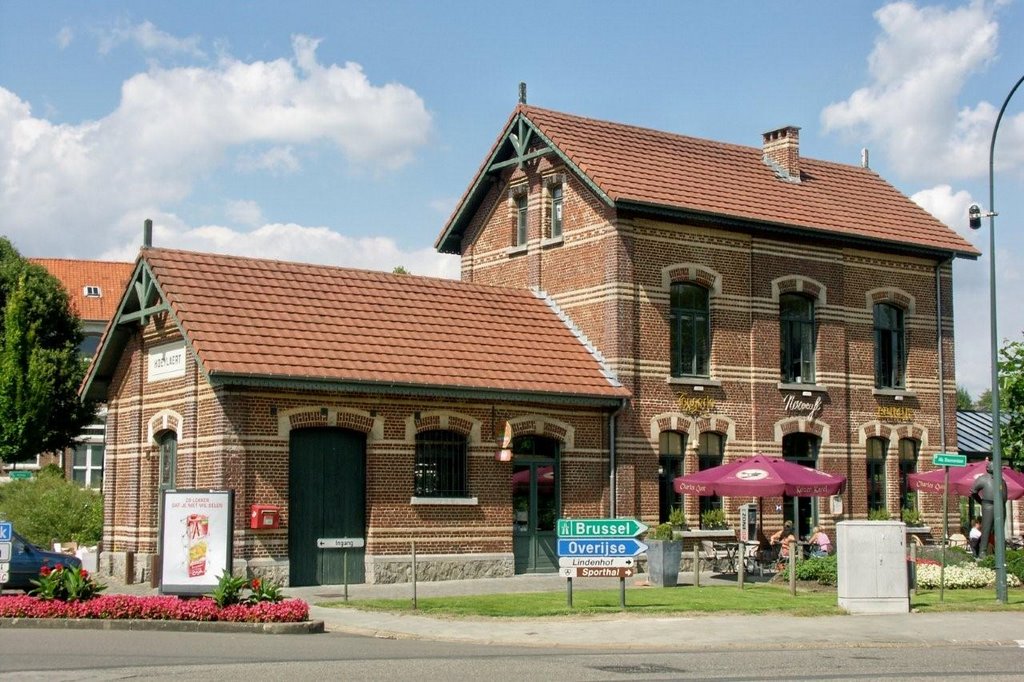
(960, 577)
(124, 606)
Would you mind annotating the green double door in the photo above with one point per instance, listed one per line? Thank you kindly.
(326, 499)
(535, 504)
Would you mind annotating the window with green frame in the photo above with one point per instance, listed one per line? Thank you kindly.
(521, 216)
(876, 473)
(671, 452)
(556, 211)
(168, 442)
(890, 346)
(710, 452)
(796, 345)
(690, 331)
(908, 465)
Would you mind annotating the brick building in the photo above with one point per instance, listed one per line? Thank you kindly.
(635, 304)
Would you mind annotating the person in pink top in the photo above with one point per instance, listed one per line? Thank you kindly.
(824, 545)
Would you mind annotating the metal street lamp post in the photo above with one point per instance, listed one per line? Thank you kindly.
(999, 504)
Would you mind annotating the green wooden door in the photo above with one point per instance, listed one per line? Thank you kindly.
(326, 499)
(535, 504)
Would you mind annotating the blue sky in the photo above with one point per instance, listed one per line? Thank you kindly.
(345, 132)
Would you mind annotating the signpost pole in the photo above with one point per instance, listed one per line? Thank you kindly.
(945, 533)
(344, 569)
(415, 603)
(696, 564)
(568, 591)
(622, 593)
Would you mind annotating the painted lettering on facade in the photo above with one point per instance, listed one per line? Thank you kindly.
(695, 406)
(895, 414)
(791, 403)
(166, 362)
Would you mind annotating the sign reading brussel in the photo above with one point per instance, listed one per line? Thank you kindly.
(600, 528)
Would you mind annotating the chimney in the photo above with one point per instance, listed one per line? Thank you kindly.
(147, 233)
(781, 151)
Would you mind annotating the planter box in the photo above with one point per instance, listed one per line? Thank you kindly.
(663, 560)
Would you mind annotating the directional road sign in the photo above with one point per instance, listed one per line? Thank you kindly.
(949, 459)
(6, 532)
(600, 528)
(5, 566)
(596, 562)
(5, 551)
(339, 543)
(4, 577)
(600, 547)
(600, 572)
(19, 475)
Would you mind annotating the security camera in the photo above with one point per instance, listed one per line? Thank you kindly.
(974, 216)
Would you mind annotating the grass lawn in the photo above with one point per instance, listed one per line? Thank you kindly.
(685, 599)
(718, 599)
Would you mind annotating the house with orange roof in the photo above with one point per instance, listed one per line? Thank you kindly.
(93, 288)
(634, 305)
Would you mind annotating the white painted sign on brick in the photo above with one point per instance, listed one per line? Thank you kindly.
(166, 362)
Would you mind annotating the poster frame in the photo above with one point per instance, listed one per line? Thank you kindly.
(224, 541)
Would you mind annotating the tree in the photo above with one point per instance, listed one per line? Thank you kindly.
(400, 270)
(40, 367)
(984, 402)
(963, 399)
(1011, 402)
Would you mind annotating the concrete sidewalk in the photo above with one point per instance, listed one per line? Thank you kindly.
(631, 631)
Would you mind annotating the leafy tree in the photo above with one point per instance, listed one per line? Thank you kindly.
(984, 402)
(40, 367)
(1011, 399)
(49, 508)
(963, 399)
(400, 270)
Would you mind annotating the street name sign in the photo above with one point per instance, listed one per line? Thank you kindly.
(339, 543)
(596, 562)
(949, 459)
(597, 572)
(603, 547)
(6, 531)
(22, 475)
(600, 528)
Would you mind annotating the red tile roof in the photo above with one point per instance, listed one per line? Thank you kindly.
(261, 318)
(109, 276)
(660, 170)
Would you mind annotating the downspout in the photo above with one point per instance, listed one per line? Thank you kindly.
(612, 465)
(938, 342)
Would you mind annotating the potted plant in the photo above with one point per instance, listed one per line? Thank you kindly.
(911, 517)
(713, 519)
(879, 515)
(664, 555)
(677, 519)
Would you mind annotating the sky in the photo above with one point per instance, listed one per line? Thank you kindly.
(345, 132)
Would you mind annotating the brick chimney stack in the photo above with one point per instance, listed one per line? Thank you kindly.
(781, 150)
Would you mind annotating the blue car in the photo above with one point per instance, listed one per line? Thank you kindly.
(27, 560)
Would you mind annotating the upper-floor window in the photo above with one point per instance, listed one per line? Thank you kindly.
(92, 291)
(890, 346)
(87, 465)
(690, 332)
(521, 213)
(90, 343)
(556, 211)
(876, 473)
(441, 464)
(671, 450)
(796, 325)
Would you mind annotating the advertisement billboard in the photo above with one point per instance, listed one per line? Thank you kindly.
(195, 539)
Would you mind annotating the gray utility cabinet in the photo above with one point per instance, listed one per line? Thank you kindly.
(872, 565)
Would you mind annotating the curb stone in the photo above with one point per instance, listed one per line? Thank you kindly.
(308, 627)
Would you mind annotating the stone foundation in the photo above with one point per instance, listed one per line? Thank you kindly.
(115, 565)
(397, 568)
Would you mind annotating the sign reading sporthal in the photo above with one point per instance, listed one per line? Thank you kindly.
(599, 548)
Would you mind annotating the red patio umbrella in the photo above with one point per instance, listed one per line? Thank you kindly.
(961, 480)
(760, 476)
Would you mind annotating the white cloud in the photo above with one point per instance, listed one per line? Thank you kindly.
(278, 160)
(910, 107)
(63, 186)
(244, 212)
(65, 37)
(148, 38)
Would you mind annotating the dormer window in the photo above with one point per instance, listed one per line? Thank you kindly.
(92, 291)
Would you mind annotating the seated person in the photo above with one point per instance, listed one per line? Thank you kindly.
(779, 541)
(974, 539)
(820, 544)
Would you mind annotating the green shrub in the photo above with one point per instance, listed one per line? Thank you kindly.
(48, 508)
(677, 519)
(819, 569)
(1014, 562)
(662, 531)
(879, 515)
(954, 555)
(713, 519)
(911, 517)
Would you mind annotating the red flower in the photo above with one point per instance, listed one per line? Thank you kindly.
(59, 567)
(44, 571)
(256, 583)
(84, 573)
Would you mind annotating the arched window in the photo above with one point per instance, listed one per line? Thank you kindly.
(710, 451)
(690, 332)
(168, 442)
(441, 465)
(890, 347)
(801, 448)
(908, 465)
(796, 345)
(876, 473)
(671, 450)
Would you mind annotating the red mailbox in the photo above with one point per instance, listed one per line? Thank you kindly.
(265, 516)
